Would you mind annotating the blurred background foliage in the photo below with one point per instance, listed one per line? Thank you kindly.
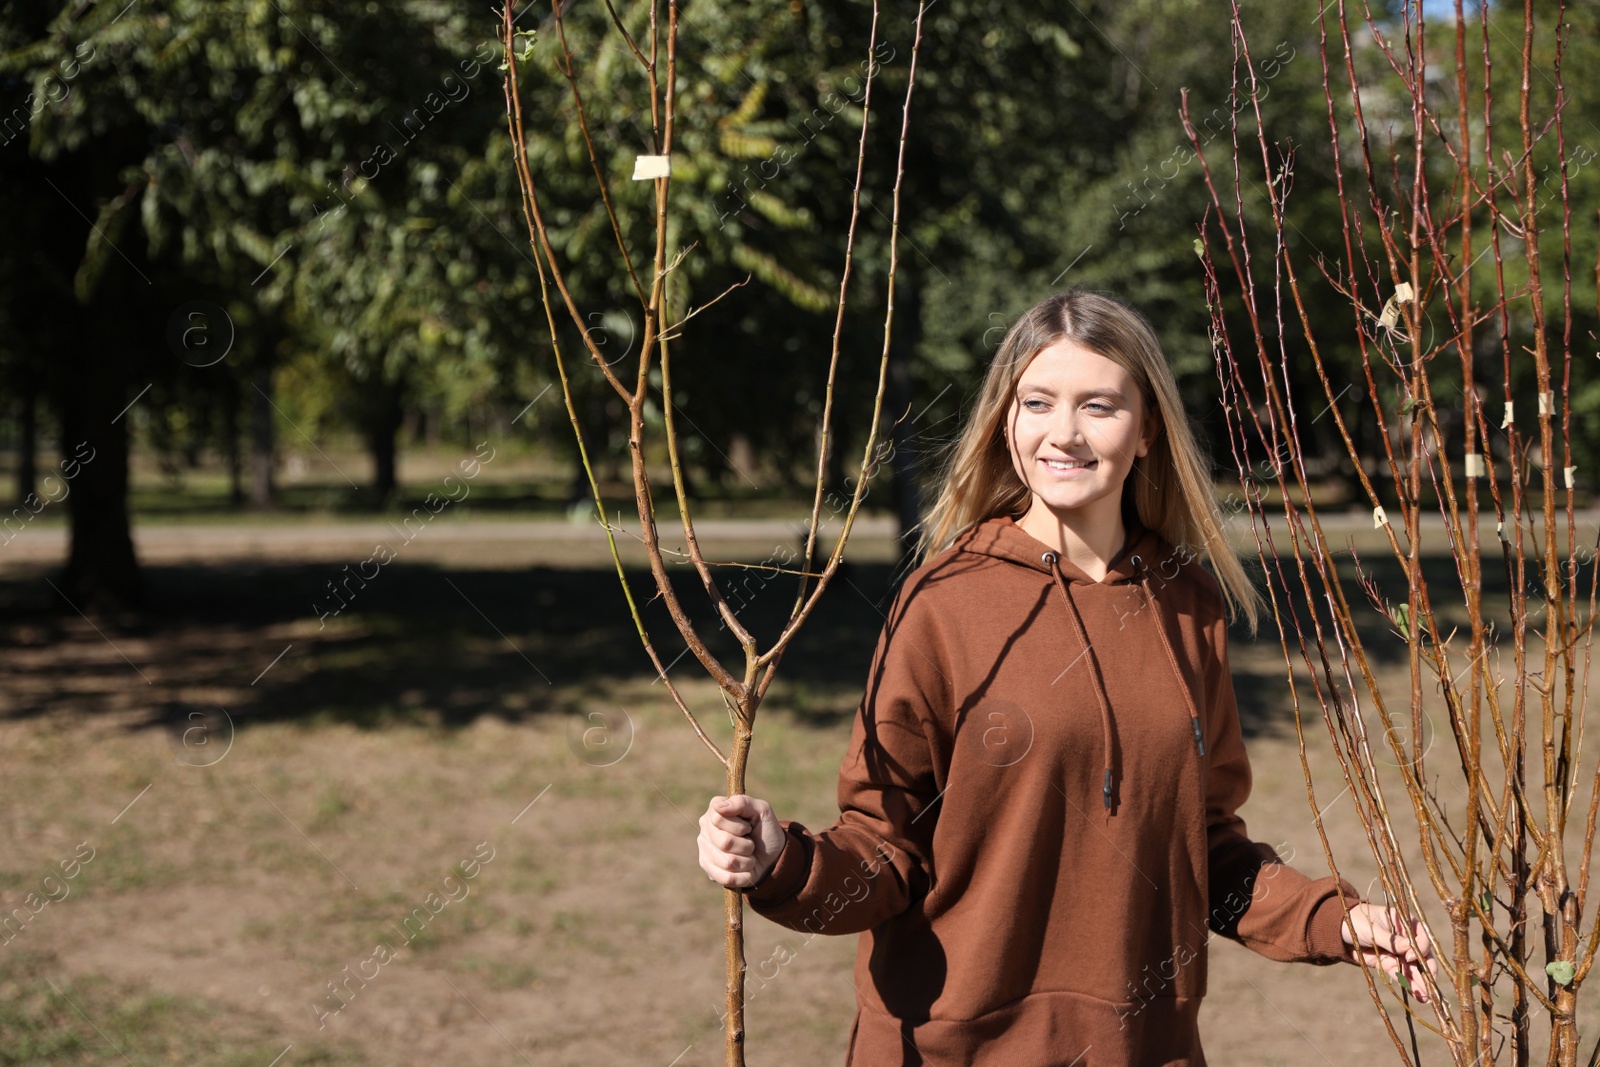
(269, 225)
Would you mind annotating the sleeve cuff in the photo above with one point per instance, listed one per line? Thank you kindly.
(785, 877)
(1324, 941)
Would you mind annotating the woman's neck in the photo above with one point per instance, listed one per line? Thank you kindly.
(1089, 542)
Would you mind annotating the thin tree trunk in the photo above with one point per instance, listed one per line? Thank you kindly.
(733, 910)
(382, 436)
(102, 571)
(263, 433)
(833, 482)
(27, 434)
(903, 459)
(384, 454)
(232, 452)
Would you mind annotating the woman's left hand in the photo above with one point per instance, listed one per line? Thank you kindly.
(1383, 938)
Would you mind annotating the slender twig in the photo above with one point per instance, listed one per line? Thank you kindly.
(741, 697)
(1401, 262)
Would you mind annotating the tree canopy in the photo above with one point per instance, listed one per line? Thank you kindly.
(323, 193)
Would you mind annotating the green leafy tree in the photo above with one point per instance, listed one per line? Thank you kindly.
(281, 161)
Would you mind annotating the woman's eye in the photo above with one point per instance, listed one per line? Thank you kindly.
(1029, 404)
(1098, 407)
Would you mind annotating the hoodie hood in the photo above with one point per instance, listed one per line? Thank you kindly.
(1002, 538)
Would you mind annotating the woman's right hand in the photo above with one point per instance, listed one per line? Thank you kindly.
(740, 839)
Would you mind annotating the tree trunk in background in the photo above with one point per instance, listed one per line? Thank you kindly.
(613, 431)
(102, 571)
(833, 467)
(435, 423)
(383, 463)
(413, 424)
(906, 460)
(235, 454)
(384, 428)
(27, 434)
(263, 431)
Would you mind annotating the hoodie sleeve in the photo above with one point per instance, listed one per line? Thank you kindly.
(1255, 898)
(873, 862)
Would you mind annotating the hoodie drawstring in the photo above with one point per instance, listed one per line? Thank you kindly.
(1094, 663)
(1172, 659)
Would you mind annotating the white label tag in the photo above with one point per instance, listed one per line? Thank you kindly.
(1391, 309)
(1507, 420)
(1378, 518)
(1474, 465)
(648, 167)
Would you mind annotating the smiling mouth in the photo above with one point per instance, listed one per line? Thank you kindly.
(1071, 465)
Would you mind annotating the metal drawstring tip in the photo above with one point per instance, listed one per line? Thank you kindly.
(1199, 741)
(1106, 790)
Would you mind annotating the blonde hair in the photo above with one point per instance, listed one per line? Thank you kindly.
(1172, 495)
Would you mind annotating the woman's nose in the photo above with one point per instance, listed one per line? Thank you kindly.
(1064, 429)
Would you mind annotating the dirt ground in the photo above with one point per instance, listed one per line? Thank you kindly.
(461, 802)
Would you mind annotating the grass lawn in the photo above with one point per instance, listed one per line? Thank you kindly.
(394, 835)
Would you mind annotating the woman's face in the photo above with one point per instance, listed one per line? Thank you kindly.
(1076, 424)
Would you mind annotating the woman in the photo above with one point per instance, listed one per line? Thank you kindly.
(1037, 827)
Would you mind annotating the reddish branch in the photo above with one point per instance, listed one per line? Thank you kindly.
(1410, 248)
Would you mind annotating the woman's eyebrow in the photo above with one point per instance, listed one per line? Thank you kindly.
(1027, 387)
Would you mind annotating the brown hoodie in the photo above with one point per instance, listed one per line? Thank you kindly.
(1038, 827)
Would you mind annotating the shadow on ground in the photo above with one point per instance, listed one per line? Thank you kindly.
(423, 643)
(417, 643)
